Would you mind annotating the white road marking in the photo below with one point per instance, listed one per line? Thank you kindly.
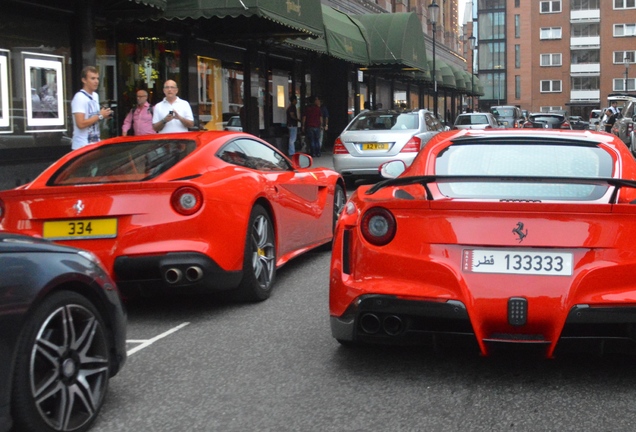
(147, 342)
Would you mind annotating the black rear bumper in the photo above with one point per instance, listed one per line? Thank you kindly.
(178, 270)
(389, 320)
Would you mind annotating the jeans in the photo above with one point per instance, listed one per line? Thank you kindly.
(313, 133)
(293, 133)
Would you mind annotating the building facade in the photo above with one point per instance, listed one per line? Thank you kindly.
(224, 66)
(545, 55)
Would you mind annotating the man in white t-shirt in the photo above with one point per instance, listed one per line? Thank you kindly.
(87, 113)
(172, 114)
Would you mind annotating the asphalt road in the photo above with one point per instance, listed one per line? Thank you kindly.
(273, 366)
(205, 364)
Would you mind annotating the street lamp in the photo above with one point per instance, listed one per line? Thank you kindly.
(472, 41)
(433, 16)
(626, 61)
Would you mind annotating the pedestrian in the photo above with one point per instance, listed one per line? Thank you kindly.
(610, 116)
(87, 113)
(311, 124)
(139, 119)
(292, 124)
(324, 112)
(172, 114)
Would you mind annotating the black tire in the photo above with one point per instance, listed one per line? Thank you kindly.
(61, 377)
(350, 183)
(339, 201)
(259, 261)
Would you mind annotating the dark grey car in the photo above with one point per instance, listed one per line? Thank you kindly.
(62, 335)
(547, 121)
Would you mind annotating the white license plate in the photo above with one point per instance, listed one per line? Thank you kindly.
(525, 262)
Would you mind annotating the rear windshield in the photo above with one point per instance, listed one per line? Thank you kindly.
(503, 112)
(125, 162)
(536, 160)
(472, 119)
(385, 121)
(548, 118)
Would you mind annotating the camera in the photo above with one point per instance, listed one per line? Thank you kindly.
(171, 113)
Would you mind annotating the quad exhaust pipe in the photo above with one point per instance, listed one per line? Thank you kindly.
(392, 325)
(194, 273)
(174, 275)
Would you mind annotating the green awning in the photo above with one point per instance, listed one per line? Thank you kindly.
(343, 38)
(438, 71)
(448, 77)
(395, 39)
(469, 80)
(131, 9)
(159, 4)
(460, 80)
(252, 18)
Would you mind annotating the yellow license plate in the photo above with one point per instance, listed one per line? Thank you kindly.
(375, 146)
(80, 229)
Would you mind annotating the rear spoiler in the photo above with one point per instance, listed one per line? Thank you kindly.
(425, 180)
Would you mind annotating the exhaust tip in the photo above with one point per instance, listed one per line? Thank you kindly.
(370, 323)
(194, 273)
(392, 325)
(173, 275)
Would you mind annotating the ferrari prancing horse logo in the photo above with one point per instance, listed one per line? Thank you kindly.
(79, 207)
(519, 232)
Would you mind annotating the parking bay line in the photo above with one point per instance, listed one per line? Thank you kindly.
(147, 342)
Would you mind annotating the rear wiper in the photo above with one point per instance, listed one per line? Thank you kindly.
(425, 180)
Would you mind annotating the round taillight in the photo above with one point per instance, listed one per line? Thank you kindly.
(186, 200)
(378, 226)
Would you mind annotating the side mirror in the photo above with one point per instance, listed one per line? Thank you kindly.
(392, 169)
(301, 160)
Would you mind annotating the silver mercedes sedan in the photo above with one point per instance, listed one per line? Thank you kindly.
(375, 137)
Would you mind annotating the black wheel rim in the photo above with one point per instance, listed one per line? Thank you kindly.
(69, 368)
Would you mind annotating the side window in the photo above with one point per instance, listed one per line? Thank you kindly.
(255, 155)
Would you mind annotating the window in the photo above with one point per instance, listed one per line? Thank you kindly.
(586, 29)
(619, 84)
(550, 33)
(492, 25)
(551, 86)
(517, 86)
(585, 56)
(624, 4)
(551, 59)
(581, 5)
(125, 162)
(553, 6)
(619, 56)
(517, 3)
(624, 30)
(253, 154)
(517, 56)
(512, 159)
(517, 26)
(586, 83)
(545, 109)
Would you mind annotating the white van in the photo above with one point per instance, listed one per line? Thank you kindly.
(595, 118)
